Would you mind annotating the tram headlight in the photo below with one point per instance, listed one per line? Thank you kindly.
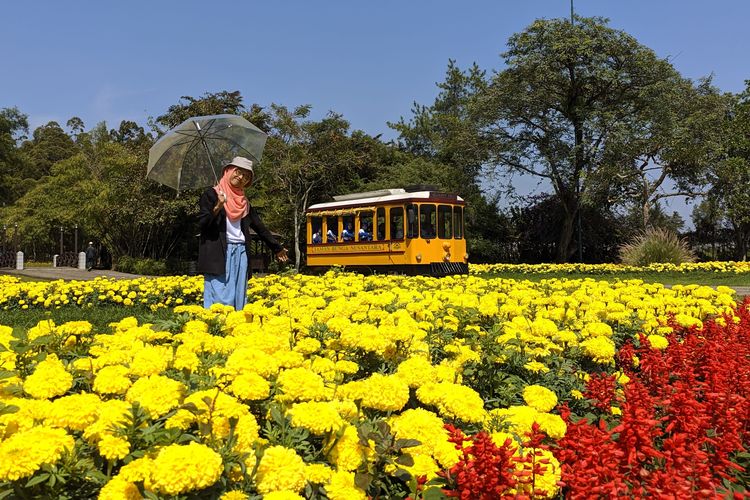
(447, 257)
(466, 257)
(418, 257)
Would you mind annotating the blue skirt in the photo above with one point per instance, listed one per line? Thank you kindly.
(231, 288)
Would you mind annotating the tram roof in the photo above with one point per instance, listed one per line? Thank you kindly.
(393, 195)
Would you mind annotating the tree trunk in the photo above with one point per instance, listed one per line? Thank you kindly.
(296, 242)
(566, 237)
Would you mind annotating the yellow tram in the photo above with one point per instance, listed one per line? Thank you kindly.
(411, 231)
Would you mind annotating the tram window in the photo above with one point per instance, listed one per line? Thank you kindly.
(332, 235)
(445, 220)
(347, 233)
(412, 229)
(316, 225)
(427, 221)
(365, 226)
(397, 223)
(380, 224)
(458, 222)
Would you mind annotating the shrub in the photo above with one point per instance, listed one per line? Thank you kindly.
(656, 245)
(149, 267)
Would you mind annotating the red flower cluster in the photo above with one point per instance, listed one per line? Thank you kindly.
(487, 471)
(685, 412)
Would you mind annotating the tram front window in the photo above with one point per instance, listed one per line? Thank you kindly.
(445, 218)
(427, 221)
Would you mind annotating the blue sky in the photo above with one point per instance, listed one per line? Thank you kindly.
(109, 61)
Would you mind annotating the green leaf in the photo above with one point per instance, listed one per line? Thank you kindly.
(406, 460)
(407, 443)
(433, 493)
(362, 480)
(37, 479)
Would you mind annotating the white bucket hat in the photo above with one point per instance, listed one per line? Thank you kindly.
(241, 162)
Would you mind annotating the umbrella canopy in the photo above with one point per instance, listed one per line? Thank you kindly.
(192, 154)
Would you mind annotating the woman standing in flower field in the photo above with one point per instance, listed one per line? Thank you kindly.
(225, 219)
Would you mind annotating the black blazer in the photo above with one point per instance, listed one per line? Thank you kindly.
(212, 251)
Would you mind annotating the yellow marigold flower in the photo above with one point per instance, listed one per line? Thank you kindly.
(341, 487)
(501, 438)
(119, 489)
(76, 412)
(347, 453)
(576, 394)
(453, 401)
(246, 433)
(138, 470)
(381, 392)
(518, 419)
(317, 417)
(250, 386)
(282, 495)
(307, 346)
(156, 394)
(597, 329)
(186, 359)
(540, 398)
(235, 495)
(112, 380)
(416, 371)
(22, 454)
(178, 469)
(301, 384)
(318, 473)
(346, 367)
(280, 469)
(536, 367)
(151, 360)
(615, 410)
(552, 425)
(658, 342)
(600, 349)
(49, 379)
(113, 448)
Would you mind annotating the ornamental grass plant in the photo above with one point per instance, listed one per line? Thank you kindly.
(656, 245)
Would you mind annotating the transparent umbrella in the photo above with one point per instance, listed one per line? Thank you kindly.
(192, 154)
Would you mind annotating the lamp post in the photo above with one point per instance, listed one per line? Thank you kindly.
(75, 239)
(15, 237)
(61, 241)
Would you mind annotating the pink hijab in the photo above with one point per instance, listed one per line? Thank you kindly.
(236, 205)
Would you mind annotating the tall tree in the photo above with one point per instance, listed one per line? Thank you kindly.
(307, 161)
(14, 126)
(732, 173)
(211, 103)
(570, 92)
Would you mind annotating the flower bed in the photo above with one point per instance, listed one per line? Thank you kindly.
(345, 386)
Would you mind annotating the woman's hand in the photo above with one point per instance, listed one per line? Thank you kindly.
(282, 255)
(220, 202)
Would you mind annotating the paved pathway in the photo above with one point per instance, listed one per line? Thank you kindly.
(66, 273)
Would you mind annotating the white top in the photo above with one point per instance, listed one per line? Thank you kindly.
(387, 198)
(234, 231)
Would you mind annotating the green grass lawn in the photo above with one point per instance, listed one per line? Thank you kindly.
(99, 317)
